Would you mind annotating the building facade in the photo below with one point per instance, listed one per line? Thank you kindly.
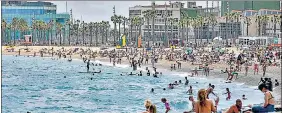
(30, 12)
(173, 11)
(227, 6)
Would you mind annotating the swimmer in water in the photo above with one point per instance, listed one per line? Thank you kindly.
(148, 73)
(131, 73)
(152, 90)
(179, 81)
(190, 91)
(175, 83)
(140, 74)
(186, 81)
(244, 97)
(228, 94)
(163, 88)
(64, 76)
(170, 86)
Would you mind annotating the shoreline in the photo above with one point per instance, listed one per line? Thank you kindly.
(250, 80)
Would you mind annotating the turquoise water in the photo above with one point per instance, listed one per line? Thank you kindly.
(38, 85)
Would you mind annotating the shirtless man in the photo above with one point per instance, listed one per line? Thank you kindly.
(235, 108)
(210, 91)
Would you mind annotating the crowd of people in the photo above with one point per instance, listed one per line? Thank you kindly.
(201, 59)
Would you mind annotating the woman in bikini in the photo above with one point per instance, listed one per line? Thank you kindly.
(204, 105)
(150, 108)
(269, 101)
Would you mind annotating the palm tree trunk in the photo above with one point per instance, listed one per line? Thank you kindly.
(171, 32)
(166, 35)
(103, 34)
(96, 36)
(274, 32)
(131, 34)
(187, 33)
(119, 31)
(69, 35)
(115, 28)
(91, 38)
(136, 28)
(106, 34)
(14, 36)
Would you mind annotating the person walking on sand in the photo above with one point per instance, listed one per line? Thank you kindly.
(264, 68)
(204, 105)
(246, 68)
(256, 68)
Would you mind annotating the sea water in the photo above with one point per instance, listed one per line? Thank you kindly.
(38, 85)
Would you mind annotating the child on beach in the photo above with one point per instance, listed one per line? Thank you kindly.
(256, 69)
(228, 94)
(167, 107)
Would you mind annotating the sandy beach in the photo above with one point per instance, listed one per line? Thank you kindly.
(273, 72)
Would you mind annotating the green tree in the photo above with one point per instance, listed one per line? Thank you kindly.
(3, 30)
(15, 24)
(59, 27)
(247, 21)
(115, 20)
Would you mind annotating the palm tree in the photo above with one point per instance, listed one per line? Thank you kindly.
(15, 24)
(147, 18)
(90, 27)
(131, 21)
(181, 24)
(188, 22)
(172, 22)
(227, 18)
(275, 20)
(83, 26)
(201, 22)
(22, 26)
(137, 21)
(3, 30)
(265, 21)
(258, 21)
(96, 26)
(237, 17)
(76, 27)
(59, 30)
(212, 20)
(107, 26)
(247, 21)
(69, 23)
(124, 21)
(153, 16)
(114, 19)
(195, 25)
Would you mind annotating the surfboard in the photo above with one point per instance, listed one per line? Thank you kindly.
(228, 81)
(86, 72)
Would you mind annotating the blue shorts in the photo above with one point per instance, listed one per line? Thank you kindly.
(261, 109)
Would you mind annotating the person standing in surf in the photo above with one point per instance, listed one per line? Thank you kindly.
(87, 66)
